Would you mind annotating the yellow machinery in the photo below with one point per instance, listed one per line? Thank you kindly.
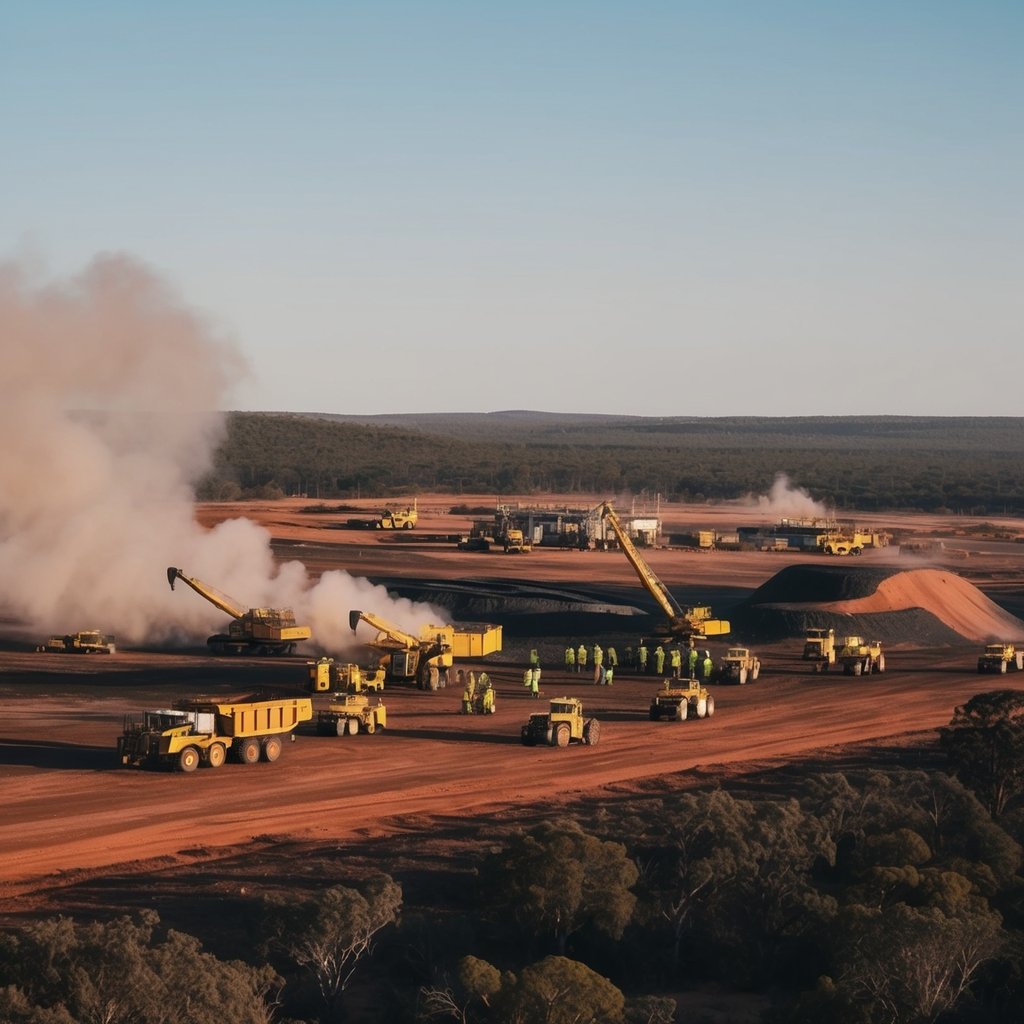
(255, 631)
(398, 519)
(851, 541)
(351, 714)
(738, 665)
(327, 677)
(88, 641)
(998, 657)
(563, 723)
(820, 648)
(516, 542)
(410, 657)
(682, 624)
(205, 730)
(681, 702)
(861, 657)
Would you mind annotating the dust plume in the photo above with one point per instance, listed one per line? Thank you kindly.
(110, 411)
(785, 501)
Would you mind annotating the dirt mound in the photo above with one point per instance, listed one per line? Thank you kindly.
(925, 607)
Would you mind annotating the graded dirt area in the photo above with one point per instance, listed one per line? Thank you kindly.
(71, 814)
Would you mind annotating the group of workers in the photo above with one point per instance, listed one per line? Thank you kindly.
(477, 693)
(697, 663)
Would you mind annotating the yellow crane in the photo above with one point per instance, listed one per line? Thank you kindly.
(681, 624)
(252, 630)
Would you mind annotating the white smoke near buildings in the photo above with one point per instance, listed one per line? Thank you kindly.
(784, 501)
(109, 412)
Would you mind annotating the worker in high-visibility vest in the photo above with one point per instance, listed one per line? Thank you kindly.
(659, 660)
(570, 659)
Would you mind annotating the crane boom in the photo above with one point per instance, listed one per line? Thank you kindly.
(681, 623)
(218, 600)
(388, 634)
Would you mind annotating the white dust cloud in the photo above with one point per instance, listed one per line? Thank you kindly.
(109, 410)
(785, 501)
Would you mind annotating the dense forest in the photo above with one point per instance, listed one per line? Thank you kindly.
(875, 893)
(964, 465)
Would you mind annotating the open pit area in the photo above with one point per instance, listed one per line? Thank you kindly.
(80, 832)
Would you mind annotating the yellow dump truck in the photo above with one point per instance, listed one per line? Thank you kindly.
(998, 657)
(207, 730)
(561, 724)
(398, 519)
(351, 714)
(861, 657)
(820, 648)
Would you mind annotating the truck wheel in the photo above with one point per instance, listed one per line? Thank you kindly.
(881, 663)
(188, 760)
(1002, 667)
(592, 732)
(711, 706)
(652, 714)
(216, 755)
(701, 707)
(1019, 659)
(755, 672)
(856, 668)
(271, 748)
(352, 726)
(527, 737)
(742, 676)
(249, 750)
(340, 727)
(682, 709)
(371, 727)
(562, 735)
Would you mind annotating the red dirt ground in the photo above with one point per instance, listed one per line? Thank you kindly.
(70, 813)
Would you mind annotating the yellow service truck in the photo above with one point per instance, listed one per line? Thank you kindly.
(206, 730)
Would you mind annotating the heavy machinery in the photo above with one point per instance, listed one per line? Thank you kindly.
(206, 730)
(999, 657)
(820, 648)
(410, 657)
(327, 677)
(738, 665)
(682, 702)
(851, 540)
(861, 657)
(563, 723)
(516, 542)
(255, 631)
(682, 624)
(86, 641)
(351, 714)
(398, 519)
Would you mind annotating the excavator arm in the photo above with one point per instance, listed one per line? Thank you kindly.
(388, 636)
(218, 600)
(695, 623)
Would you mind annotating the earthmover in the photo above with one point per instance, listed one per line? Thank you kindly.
(563, 723)
(690, 700)
(256, 631)
(350, 714)
(820, 648)
(516, 542)
(861, 657)
(398, 519)
(87, 641)
(205, 730)
(327, 677)
(999, 657)
(410, 657)
(681, 624)
(738, 665)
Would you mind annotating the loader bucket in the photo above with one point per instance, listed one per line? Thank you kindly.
(172, 575)
(353, 619)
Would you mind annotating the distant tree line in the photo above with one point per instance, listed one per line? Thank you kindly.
(960, 465)
(849, 897)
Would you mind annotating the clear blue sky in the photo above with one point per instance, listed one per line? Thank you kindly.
(651, 208)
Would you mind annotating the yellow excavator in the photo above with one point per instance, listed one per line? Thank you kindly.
(681, 624)
(252, 631)
(405, 656)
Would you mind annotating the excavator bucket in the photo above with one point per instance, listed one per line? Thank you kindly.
(172, 575)
(353, 619)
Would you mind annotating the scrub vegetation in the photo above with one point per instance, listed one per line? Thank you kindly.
(868, 894)
(939, 464)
